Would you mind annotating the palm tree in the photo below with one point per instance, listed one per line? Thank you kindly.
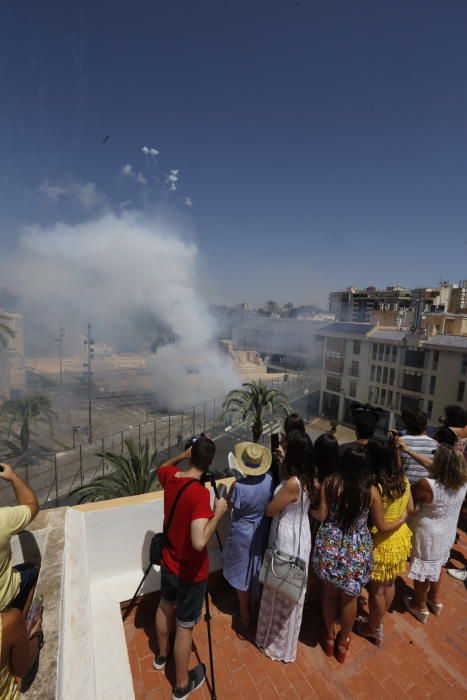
(272, 308)
(130, 475)
(27, 410)
(5, 329)
(287, 309)
(254, 403)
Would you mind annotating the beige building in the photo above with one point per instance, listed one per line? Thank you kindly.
(390, 369)
(444, 324)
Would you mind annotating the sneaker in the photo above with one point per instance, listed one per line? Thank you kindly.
(459, 574)
(196, 678)
(160, 661)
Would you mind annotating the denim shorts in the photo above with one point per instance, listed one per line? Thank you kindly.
(29, 574)
(187, 597)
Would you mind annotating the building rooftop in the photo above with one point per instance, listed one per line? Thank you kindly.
(388, 334)
(448, 341)
(92, 559)
(346, 327)
(415, 661)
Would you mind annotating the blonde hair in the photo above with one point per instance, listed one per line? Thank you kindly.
(449, 467)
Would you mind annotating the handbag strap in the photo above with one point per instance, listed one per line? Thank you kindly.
(300, 487)
(172, 510)
(301, 516)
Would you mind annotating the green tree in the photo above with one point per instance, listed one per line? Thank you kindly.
(5, 330)
(27, 410)
(254, 403)
(131, 474)
(287, 309)
(272, 308)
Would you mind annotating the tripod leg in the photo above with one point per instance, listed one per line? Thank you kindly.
(207, 617)
(133, 600)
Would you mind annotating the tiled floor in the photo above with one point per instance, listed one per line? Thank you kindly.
(416, 661)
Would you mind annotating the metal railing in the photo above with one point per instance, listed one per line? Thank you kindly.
(54, 478)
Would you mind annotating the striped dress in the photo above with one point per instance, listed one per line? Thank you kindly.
(8, 687)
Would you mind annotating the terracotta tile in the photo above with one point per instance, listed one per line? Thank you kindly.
(244, 684)
(266, 690)
(152, 679)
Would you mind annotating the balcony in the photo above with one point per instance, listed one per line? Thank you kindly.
(92, 561)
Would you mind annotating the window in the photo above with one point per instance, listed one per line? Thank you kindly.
(435, 360)
(353, 389)
(335, 345)
(372, 373)
(412, 381)
(429, 409)
(464, 364)
(398, 401)
(375, 350)
(380, 352)
(394, 353)
(377, 394)
(334, 364)
(378, 374)
(370, 394)
(415, 358)
(392, 376)
(354, 369)
(333, 383)
(387, 353)
(356, 347)
(410, 402)
(432, 384)
(385, 375)
(460, 391)
(383, 396)
(389, 397)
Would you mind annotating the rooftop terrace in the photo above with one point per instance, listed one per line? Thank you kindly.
(92, 561)
(415, 661)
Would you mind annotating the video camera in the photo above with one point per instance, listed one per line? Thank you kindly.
(357, 409)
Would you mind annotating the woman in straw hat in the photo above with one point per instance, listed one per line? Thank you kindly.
(249, 527)
(280, 618)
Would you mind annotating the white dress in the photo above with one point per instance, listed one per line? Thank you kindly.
(434, 531)
(280, 618)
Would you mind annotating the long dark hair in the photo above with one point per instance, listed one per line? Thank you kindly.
(326, 455)
(350, 490)
(388, 474)
(298, 460)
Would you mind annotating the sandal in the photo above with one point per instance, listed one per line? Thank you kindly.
(374, 635)
(341, 649)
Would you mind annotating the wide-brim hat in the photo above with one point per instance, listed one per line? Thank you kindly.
(253, 459)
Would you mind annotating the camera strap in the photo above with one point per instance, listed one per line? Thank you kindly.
(172, 510)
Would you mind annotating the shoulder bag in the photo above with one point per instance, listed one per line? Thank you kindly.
(284, 572)
(159, 539)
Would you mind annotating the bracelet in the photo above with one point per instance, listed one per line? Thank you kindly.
(40, 636)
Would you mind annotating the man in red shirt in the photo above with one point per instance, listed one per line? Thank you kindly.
(185, 562)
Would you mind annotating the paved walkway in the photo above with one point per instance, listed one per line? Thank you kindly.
(415, 661)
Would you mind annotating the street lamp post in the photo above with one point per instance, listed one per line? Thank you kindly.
(59, 342)
(88, 375)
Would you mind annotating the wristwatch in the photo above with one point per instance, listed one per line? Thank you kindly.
(40, 636)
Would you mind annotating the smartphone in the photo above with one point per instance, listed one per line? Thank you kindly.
(34, 611)
(274, 441)
(222, 491)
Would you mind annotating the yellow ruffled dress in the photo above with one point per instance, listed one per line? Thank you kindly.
(392, 549)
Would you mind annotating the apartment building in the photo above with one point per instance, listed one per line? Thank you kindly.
(390, 369)
(396, 306)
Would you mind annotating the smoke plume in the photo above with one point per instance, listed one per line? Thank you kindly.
(111, 270)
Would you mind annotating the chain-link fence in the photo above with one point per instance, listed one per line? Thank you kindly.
(55, 477)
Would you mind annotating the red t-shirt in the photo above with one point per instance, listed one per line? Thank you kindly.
(179, 556)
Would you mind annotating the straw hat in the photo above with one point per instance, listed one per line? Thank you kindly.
(253, 459)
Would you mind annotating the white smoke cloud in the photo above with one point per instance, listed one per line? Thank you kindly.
(128, 171)
(188, 202)
(152, 152)
(172, 179)
(107, 268)
(84, 194)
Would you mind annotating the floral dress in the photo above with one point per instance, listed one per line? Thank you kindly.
(344, 558)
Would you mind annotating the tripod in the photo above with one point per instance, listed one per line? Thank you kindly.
(209, 476)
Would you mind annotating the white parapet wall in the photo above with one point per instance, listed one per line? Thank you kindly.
(106, 553)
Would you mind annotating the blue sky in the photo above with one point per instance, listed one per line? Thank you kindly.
(321, 144)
